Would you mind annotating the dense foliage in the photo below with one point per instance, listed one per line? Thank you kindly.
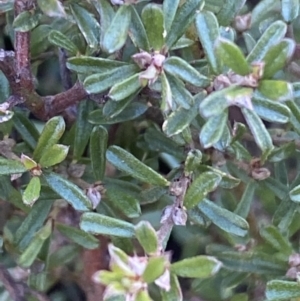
(149, 150)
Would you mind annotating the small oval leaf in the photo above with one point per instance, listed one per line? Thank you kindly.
(54, 155)
(60, 40)
(10, 166)
(100, 224)
(197, 267)
(87, 24)
(208, 31)
(146, 236)
(68, 191)
(80, 237)
(183, 19)
(127, 163)
(98, 145)
(116, 34)
(232, 56)
(32, 191)
(223, 218)
(125, 88)
(272, 36)
(181, 69)
(153, 20)
(50, 135)
(200, 187)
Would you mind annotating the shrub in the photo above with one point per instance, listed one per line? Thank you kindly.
(150, 150)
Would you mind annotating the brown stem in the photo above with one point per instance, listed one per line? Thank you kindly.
(18, 290)
(56, 104)
(93, 261)
(16, 67)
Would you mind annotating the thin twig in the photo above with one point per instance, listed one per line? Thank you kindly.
(168, 223)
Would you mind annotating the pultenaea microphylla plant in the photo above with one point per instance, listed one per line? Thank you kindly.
(149, 150)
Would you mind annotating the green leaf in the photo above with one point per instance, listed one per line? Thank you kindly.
(80, 237)
(213, 129)
(91, 65)
(116, 34)
(228, 181)
(50, 135)
(270, 110)
(277, 57)
(181, 69)
(60, 40)
(249, 41)
(155, 268)
(125, 88)
(39, 39)
(132, 111)
(276, 89)
(196, 267)
(82, 128)
(113, 108)
(126, 202)
(87, 24)
(229, 10)
(283, 152)
(295, 194)
(282, 290)
(272, 235)
(252, 262)
(26, 21)
(180, 94)
(223, 218)
(289, 10)
(265, 9)
(232, 56)
(295, 115)
(272, 36)
(127, 163)
(200, 187)
(192, 161)
(244, 205)
(158, 142)
(216, 102)
(26, 129)
(174, 294)
(169, 9)
(10, 166)
(31, 252)
(166, 94)
(32, 191)
(100, 224)
(146, 236)
(259, 131)
(208, 31)
(183, 42)
(142, 295)
(52, 8)
(100, 82)
(153, 20)
(68, 191)
(54, 155)
(180, 119)
(106, 13)
(151, 195)
(182, 20)
(137, 31)
(32, 223)
(98, 145)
